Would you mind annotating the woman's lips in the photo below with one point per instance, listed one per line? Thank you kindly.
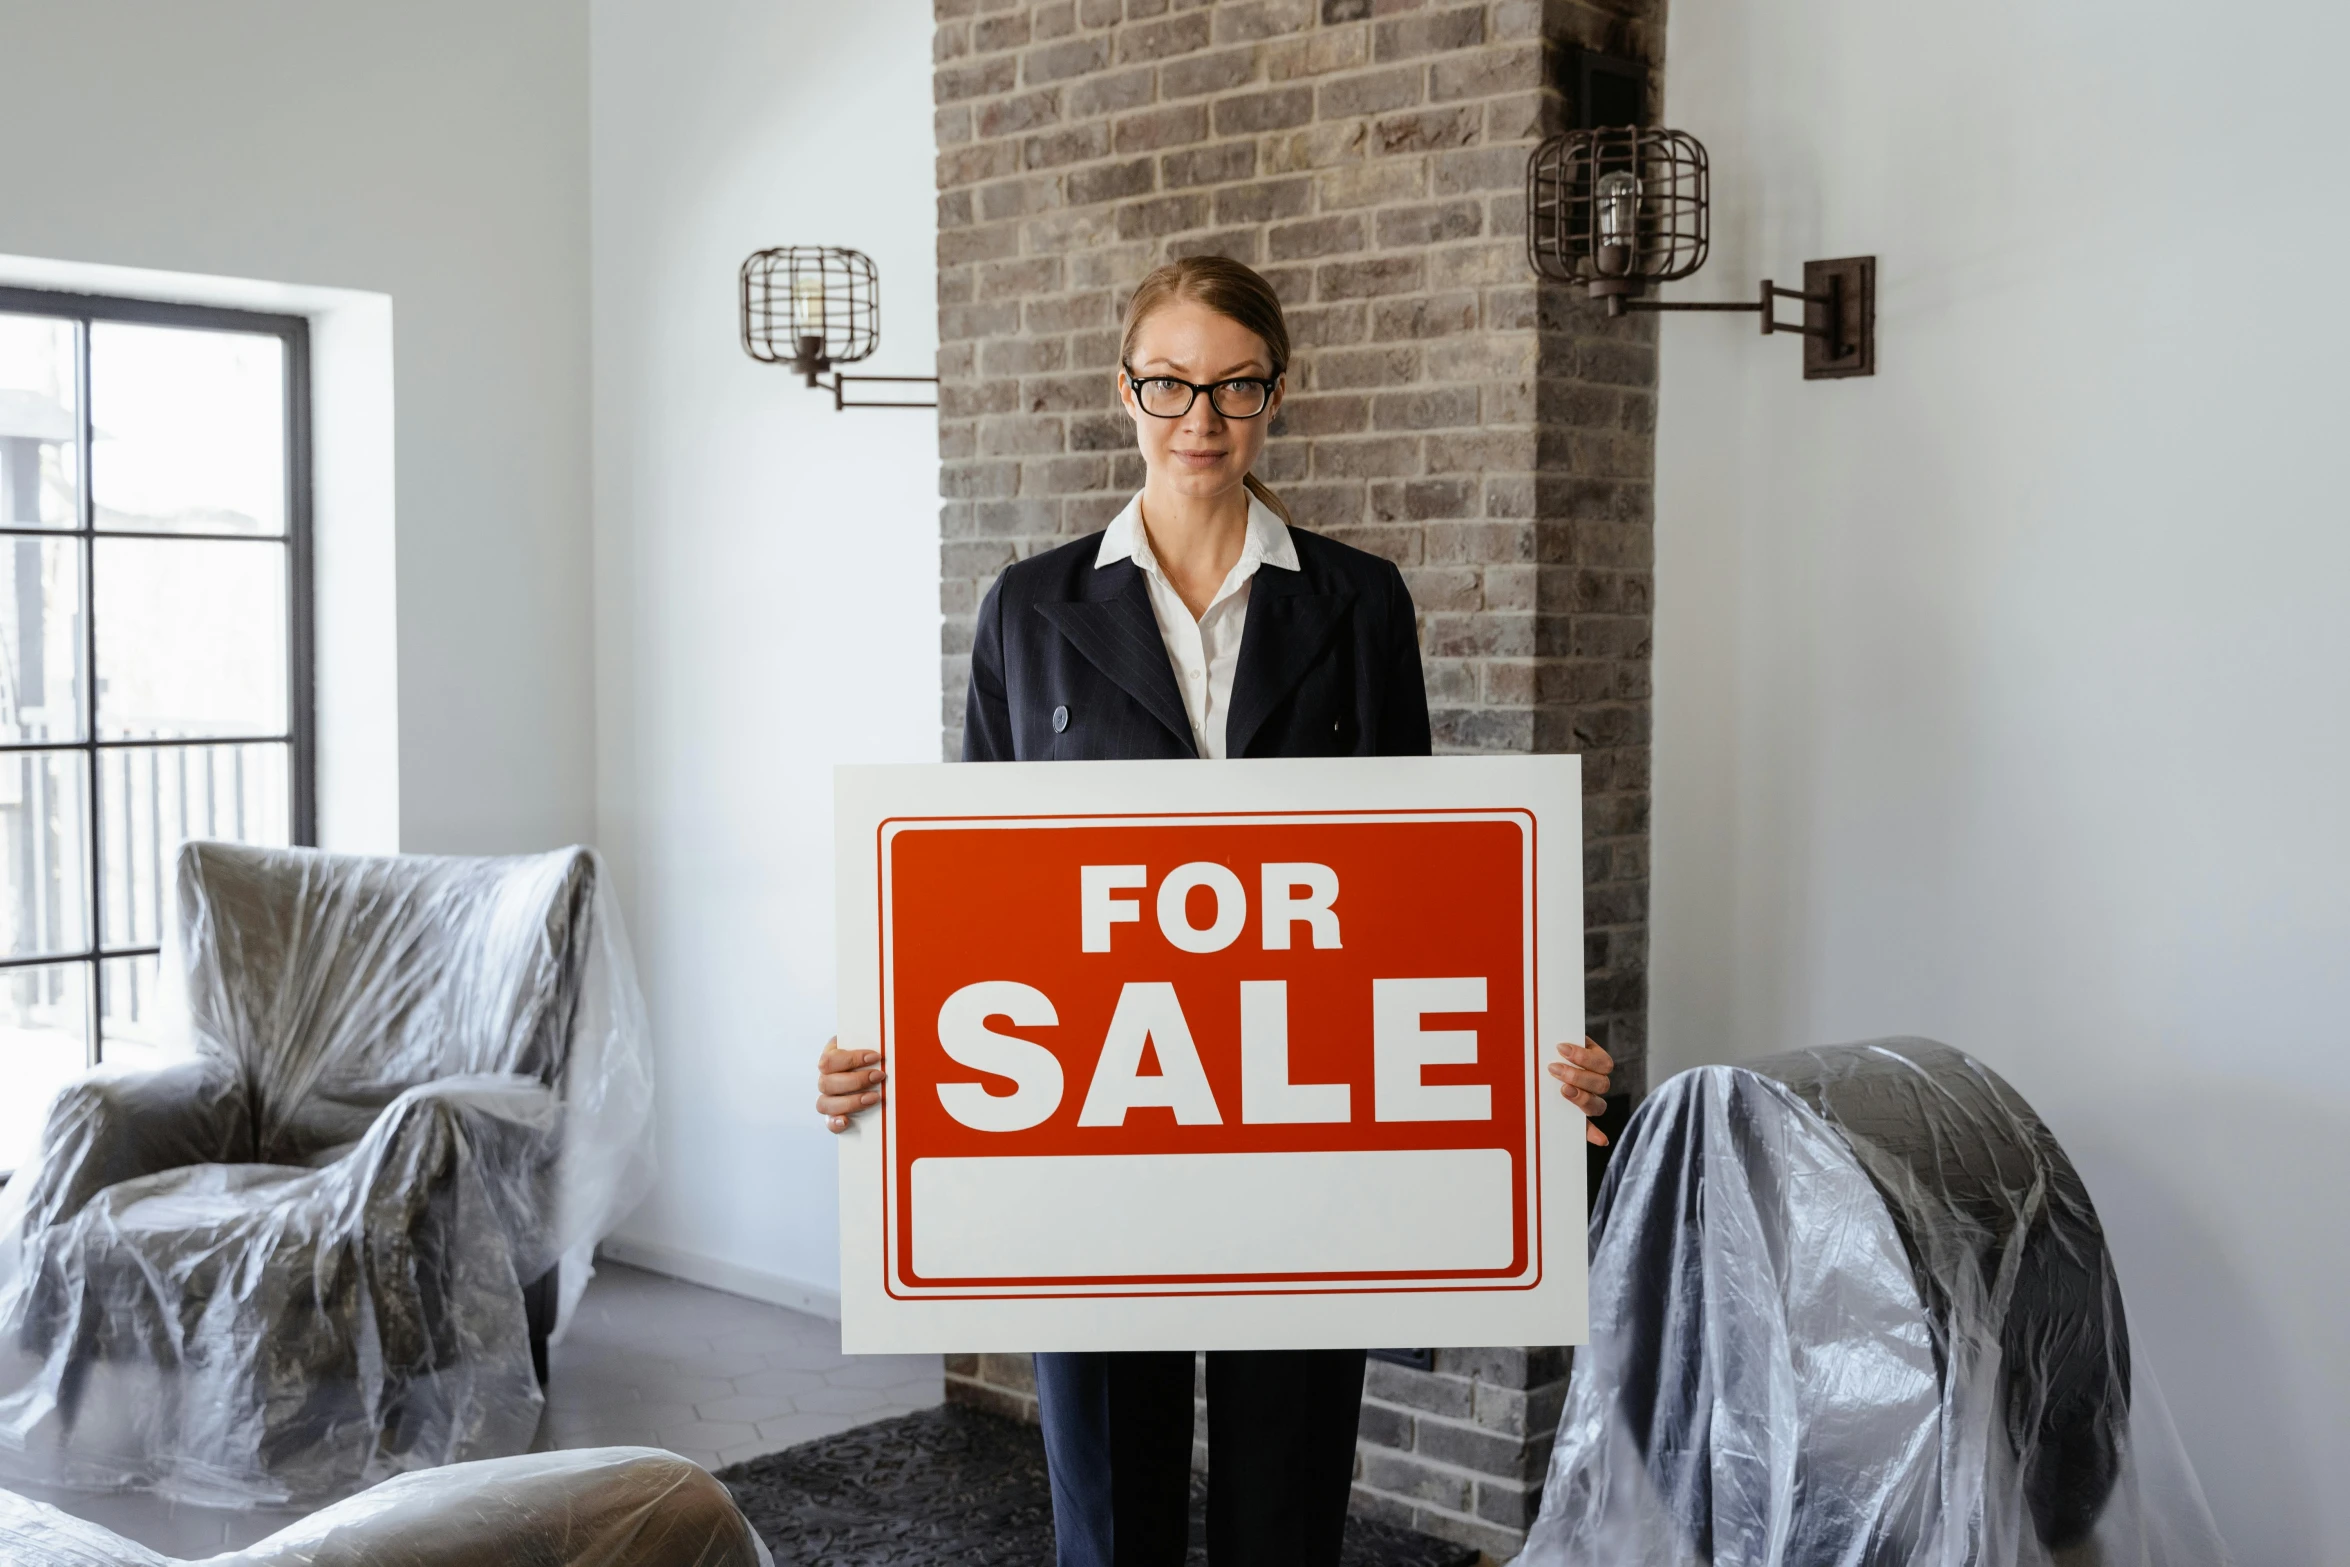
(1200, 459)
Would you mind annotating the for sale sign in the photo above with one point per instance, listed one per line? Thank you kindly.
(1235, 1055)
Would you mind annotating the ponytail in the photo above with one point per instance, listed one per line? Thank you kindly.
(1273, 503)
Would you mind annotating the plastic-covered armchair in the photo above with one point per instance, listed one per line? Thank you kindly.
(1852, 1307)
(601, 1507)
(330, 1245)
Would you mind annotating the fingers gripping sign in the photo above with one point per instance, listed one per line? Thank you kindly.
(847, 1081)
(1583, 1073)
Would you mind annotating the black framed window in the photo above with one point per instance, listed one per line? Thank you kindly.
(155, 657)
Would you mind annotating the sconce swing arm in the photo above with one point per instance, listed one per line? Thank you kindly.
(839, 387)
(1840, 278)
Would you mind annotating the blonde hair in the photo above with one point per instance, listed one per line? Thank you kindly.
(1234, 292)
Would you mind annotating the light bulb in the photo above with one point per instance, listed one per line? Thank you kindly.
(807, 305)
(1617, 198)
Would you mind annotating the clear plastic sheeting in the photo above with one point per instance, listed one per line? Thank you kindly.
(602, 1507)
(309, 1256)
(1852, 1308)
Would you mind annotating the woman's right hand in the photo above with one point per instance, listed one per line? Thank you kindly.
(847, 1081)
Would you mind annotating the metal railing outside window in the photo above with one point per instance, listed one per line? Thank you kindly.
(155, 650)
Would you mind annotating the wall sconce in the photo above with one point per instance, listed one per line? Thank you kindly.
(1623, 208)
(815, 308)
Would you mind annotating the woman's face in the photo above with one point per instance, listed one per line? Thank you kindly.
(1203, 453)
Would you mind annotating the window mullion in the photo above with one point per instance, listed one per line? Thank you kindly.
(84, 437)
(301, 607)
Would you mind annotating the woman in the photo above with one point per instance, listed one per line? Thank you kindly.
(1199, 624)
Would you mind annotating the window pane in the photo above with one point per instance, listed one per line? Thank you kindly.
(45, 850)
(40, 640)
(191, 638)
(154, 798)
(43, 1023)
(38, 425)
(189, 429)
(132, 1029)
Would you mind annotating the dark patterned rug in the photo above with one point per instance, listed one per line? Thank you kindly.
(953, 1485)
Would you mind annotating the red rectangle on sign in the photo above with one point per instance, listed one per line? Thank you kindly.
(1155, 1039)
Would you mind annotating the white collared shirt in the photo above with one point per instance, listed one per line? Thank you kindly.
(1207, 650)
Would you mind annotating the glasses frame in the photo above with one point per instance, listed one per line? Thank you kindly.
(1270, 384)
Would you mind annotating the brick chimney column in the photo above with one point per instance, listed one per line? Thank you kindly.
(1491, 435)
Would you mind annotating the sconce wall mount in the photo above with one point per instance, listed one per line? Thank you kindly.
(814, 308)
(1621, 209)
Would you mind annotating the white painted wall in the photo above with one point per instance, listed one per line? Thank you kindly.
(766, 576)
(2005, 697)
(434, 152)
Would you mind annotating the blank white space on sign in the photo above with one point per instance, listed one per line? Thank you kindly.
(1212, 1214)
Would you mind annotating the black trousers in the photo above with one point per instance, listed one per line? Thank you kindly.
(1281, 1446)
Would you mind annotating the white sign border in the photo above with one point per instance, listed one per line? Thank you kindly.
(900, 1288)
(1427, 1313)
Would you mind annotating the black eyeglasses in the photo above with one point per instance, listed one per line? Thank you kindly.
(1166, 397)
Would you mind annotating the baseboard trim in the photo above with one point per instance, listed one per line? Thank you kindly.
(733, 1278)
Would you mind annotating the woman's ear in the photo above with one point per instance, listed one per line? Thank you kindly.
(1280, 389)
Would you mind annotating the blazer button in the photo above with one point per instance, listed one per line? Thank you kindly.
(1060, 719)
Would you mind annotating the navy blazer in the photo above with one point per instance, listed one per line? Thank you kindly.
(1067, 663)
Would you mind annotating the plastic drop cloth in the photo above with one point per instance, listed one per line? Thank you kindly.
(294, 1263)
(1852, 1308)
(602, 1507)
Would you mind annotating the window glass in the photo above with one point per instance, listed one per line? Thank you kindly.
(38, 426)
(132, 1022)
(191, 638)
(45, 851)
(190, 430)
(154, 798)
(44, 1017)
(41, 645)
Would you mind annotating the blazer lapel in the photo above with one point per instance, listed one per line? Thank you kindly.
(1288, 625)
(1114, 628)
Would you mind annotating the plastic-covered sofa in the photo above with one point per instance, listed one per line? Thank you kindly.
(328, 1246)
(1852, 1307)
(600, 1507)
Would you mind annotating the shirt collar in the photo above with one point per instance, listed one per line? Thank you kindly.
(1267, 543)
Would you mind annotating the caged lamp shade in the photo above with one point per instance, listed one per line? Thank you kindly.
(1617, 209)
(1622, 208)
(811, 307)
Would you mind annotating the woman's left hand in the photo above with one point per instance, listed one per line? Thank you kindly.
(1582, 1072)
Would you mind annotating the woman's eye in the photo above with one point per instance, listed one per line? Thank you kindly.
(1165, 387)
